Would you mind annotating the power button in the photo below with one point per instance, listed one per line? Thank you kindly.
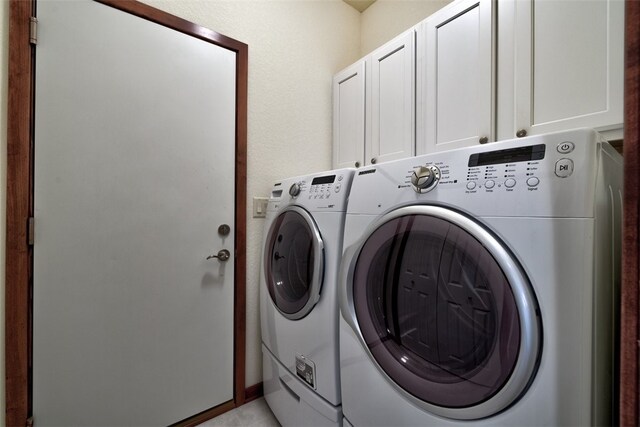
(565, 147)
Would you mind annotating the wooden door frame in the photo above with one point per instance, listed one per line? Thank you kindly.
(630, 307)
(19, 265)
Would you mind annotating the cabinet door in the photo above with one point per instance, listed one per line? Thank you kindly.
(392, 100)
(455, 75)
(349, 116)
(568, 62)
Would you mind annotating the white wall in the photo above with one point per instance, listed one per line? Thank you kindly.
(385, 19)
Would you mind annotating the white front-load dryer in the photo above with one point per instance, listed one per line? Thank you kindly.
(479, 286)
(302, 249)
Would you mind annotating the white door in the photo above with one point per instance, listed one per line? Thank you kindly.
(392, 100)
(455, 77)
(567, 63)
(134, 173)
(349, 116)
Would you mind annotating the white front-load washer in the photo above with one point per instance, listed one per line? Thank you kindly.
(479, 286)
(302, 249)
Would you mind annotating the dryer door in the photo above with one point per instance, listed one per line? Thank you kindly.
(444, 311)
(294, 262)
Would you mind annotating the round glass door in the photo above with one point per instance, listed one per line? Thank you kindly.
(445, 312)
(293, 263)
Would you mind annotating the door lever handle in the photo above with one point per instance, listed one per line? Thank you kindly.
(222, 255)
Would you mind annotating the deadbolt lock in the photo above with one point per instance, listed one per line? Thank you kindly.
(224, 230)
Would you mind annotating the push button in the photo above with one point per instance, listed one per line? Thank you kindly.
(533, 181)
(337, 188)
(510, 183)
(566, 147)
(490, 184)
(564, 168)
(471, 185)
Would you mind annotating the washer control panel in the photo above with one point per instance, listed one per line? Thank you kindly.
(539, 175)
(505, 169)
(520, 167)
(425, 178)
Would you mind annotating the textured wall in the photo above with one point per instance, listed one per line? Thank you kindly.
(295, 47)
(385, 19)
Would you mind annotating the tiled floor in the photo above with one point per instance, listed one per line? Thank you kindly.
(253, 414)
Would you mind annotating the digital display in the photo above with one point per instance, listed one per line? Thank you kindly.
(511, 155)
(329, 179)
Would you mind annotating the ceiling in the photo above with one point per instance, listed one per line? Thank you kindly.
(359, 5)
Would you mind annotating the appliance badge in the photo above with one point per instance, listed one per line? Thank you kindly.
(306, 369)
(367, 172)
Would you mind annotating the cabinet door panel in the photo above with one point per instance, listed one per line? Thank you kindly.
(561, 71)
(392, 100)
(457, 77)
(568, 65)
(349, 116)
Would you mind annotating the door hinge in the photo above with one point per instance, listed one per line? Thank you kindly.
(29, 422)
(31, 231)
(33, 30)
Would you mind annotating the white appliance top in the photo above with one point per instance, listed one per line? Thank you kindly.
(552, 175)
(320, 192)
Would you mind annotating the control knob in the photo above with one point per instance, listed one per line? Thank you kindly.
(425, 178)
(294, 190)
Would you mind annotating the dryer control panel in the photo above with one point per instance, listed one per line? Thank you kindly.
(326, 191)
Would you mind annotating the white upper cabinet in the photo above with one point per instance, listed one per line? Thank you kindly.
(349, 116)
(561, 66)
(478, 71)
(455, 106)
(392, 100)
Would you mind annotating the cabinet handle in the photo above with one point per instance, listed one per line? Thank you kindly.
(521, 133)
(484, 140)
(373, 161)
(357, 164)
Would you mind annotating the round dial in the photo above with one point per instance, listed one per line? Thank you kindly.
(425, 178)
(294, 190)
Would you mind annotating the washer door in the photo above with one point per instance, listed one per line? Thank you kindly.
(294, 262)
(444, 311)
